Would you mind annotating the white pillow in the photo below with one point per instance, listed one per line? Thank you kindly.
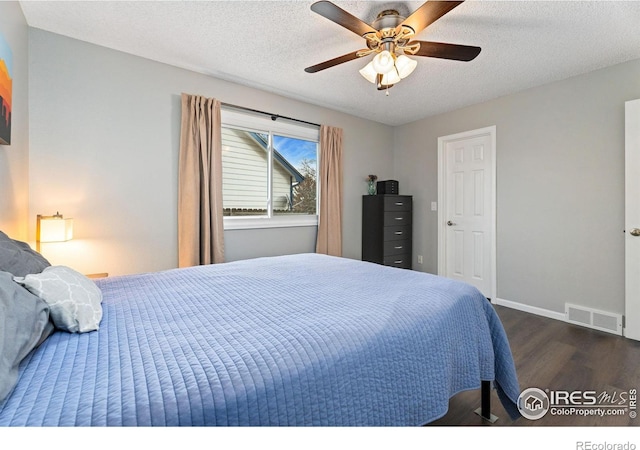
(74, 300)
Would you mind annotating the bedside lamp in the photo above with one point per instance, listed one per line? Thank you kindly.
(53, 229)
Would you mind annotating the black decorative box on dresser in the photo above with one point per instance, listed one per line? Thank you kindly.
(386, 229)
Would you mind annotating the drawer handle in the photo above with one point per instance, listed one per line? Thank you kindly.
(398, 247)
(398, 262)
(398, 233)
(399, 203)
(399, 218)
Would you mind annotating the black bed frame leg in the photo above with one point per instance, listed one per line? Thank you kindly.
(485, 403)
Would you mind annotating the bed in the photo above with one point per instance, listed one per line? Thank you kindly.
(297, 340)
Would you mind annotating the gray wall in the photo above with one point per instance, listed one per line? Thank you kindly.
(560, 195)
(103, 148)
(105, 131)
(14, 158)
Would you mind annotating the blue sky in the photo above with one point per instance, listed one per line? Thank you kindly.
(295, 150)
(5, 53)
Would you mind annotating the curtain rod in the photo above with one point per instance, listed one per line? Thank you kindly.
(273, 116)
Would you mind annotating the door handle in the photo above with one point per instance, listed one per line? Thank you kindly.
(450, 223)
(635, 232)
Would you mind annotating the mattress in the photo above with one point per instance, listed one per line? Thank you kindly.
(298, 340)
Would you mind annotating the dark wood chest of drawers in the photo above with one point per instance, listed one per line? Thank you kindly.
(386, 229)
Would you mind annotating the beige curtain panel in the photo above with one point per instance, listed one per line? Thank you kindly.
(329, 240)
(200, 226)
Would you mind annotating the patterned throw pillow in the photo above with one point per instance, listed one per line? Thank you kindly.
(74, 300)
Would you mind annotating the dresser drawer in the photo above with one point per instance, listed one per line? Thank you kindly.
(402, 261)
(397, 203)
(396, 247)
(397, 218)
(396, 233)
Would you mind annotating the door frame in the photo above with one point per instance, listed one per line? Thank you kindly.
(632, 220)
(442, 225)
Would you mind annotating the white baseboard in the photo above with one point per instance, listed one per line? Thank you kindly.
(531, 309)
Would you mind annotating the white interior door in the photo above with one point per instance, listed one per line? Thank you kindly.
(466, 241)
(632, 219)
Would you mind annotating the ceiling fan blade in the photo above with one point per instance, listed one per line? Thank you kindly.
(428, 13)
(446, 51)
(342, 18)
(335, 61)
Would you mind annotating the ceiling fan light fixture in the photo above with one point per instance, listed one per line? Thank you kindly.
(369, 73)
(383, 62)
(405, 65)
(390, 37)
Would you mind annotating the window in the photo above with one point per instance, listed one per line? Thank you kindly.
(269, 172)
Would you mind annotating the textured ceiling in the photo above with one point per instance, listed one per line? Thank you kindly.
(267, 45)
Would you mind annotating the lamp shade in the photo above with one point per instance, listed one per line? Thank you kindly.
(55, 229)
(405, 65)
(369, 73)
(390, 78)
(383, 62)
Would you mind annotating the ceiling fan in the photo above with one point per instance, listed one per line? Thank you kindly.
(390, 37)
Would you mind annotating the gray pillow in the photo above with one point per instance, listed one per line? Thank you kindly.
(18, 258)
(23, 322)
(75, 301)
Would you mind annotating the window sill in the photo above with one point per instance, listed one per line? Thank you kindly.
(247, 223)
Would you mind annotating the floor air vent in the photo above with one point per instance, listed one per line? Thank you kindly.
(592, 318)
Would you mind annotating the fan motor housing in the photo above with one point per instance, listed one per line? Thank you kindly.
(389, 18)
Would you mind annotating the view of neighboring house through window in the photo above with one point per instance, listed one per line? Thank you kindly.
(268, 172)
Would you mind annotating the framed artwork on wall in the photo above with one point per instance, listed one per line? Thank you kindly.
(6, 87)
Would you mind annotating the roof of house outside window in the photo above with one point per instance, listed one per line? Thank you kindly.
(259, 138)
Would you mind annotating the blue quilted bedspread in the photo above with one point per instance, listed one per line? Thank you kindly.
(291, 340)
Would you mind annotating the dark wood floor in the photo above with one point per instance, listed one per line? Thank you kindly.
(550, 354)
